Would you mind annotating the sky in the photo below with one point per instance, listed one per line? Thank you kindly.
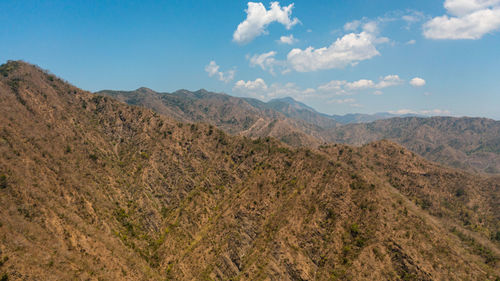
(431, 57)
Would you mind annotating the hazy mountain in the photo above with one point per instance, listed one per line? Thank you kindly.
(469, 143)
(367, 118)
(297, 110)
(91, 188)
(294, 109)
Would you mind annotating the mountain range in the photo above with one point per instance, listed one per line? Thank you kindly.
(92, 188)
(467, 143)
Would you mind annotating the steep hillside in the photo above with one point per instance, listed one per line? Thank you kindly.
(93, 189)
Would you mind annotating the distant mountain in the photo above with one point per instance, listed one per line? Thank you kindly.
(299, 111)
(468, 143)
(367, 118)
(95, 189)
(242, 116)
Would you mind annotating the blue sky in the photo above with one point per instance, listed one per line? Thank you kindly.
(436, 57)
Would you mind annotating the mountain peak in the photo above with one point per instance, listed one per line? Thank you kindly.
(17, 67)
(145, 90)
(291, 101)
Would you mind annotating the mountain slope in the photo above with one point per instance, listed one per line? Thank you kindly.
(91, 188)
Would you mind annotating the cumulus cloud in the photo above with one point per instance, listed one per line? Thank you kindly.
(360, 84)
(342, 87)
(334, 85)
(389, 81)
(258, 85)
(417, 82)
(287, 39)
(411, 42)
(465, 7)
(466, 19)
(259, 89)
(213, 70)
(350, 49)
(258, 18)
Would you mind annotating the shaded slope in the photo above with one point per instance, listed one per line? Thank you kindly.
(95, 189)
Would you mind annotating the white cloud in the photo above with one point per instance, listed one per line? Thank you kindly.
(334, 85)
(389, 81)
(465, 7)
(360, 84)
(213, 70)
(342, 101)
(371, 27)
(352, 26)
(258, 84)
(411, 42)
(403, 111)
(469, 19)
(429, 112)
(258, 18)
(435, 112)
(348, 50)
(288, 39)
(342, 87)
(412, 17)
(266, 61)
(259, 89)
(417, 82)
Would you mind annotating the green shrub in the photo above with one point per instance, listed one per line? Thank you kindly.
(355, 231)
(3, 181)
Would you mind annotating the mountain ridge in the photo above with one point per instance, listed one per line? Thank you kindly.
(435, 138)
